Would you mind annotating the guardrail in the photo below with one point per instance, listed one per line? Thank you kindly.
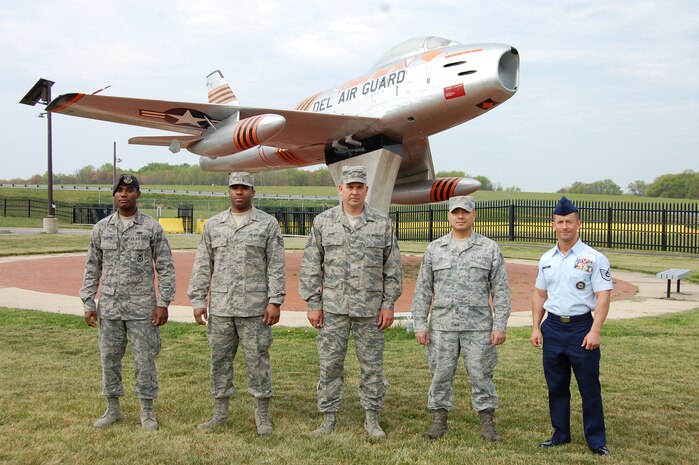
(169, 191)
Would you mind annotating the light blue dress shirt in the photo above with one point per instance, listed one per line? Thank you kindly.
(571, 280)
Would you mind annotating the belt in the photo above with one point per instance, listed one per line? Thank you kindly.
(570, 319)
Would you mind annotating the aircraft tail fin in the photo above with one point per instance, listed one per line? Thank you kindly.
(219, 90)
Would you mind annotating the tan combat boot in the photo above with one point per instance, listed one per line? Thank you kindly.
(488, 431)
(111, 415)
(148, 421)
(262, 423)
(220, 414)
(328, 425)
(439, 425)
(372, 427)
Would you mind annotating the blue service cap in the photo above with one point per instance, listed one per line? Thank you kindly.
(565, 207)
(126, 180)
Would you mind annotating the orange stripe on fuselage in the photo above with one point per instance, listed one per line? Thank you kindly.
(73, 100)
(464, 52)
(305, 104)
(430, 55)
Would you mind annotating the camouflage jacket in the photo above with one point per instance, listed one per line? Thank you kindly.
(243, 266)
(354, 271)
(461, 284)
(124, 259)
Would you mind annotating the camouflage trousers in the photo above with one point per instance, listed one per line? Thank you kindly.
(145, 344)
(332, 348)
(224, 334)
(480, 358)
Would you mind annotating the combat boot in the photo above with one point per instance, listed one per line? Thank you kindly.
(220, 414)
(148, 421)
(328, 425)
(372, 427)
(111, 415)
(262, 423)
(488, 431)
(439, 424)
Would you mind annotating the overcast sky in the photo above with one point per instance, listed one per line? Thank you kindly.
(608, 89)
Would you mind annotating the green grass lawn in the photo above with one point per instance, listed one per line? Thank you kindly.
(49, 396)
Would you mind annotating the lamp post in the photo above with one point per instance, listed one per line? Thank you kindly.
(115, 160)
(41, 93)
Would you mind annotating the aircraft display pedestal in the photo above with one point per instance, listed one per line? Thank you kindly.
(51, 225)
(382, 170)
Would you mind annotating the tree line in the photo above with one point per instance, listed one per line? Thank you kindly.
(684, 185)
(192, 175)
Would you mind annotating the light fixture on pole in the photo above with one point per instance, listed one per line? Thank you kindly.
(41, 93)
(115, 160)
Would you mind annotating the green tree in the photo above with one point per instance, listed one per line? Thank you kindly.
(450, 174)
(684, 185)
(606, 186)
(486, 184)
(637, 187)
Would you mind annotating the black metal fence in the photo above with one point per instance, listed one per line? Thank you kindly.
(622, 225)
(34, 208)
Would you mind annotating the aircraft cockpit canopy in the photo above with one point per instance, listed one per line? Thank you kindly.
(413, 47)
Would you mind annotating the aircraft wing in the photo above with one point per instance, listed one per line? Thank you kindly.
(302, 128)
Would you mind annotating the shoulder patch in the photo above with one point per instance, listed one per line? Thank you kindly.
(606, 275)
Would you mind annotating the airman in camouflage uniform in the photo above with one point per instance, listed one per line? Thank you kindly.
(351, 276)
(240, 265)
(123, 250)
(461, 271)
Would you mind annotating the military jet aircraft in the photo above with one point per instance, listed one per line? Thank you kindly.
(418, 88)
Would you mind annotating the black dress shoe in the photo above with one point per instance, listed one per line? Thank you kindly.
(548, 444)
(601, 451)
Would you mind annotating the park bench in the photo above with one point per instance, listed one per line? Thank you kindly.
(674, 273)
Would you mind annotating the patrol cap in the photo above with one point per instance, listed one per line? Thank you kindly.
(466, 202)
(126, 180)
(242, 178)
(565, 207)
(354, 174)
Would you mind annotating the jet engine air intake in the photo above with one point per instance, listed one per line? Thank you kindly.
(508, 70)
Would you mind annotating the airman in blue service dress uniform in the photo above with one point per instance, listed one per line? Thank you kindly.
(573, 281)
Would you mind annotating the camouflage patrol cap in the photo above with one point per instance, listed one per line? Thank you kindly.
(466, 202)
(354, 174)
(241, 178)
(126, 180)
